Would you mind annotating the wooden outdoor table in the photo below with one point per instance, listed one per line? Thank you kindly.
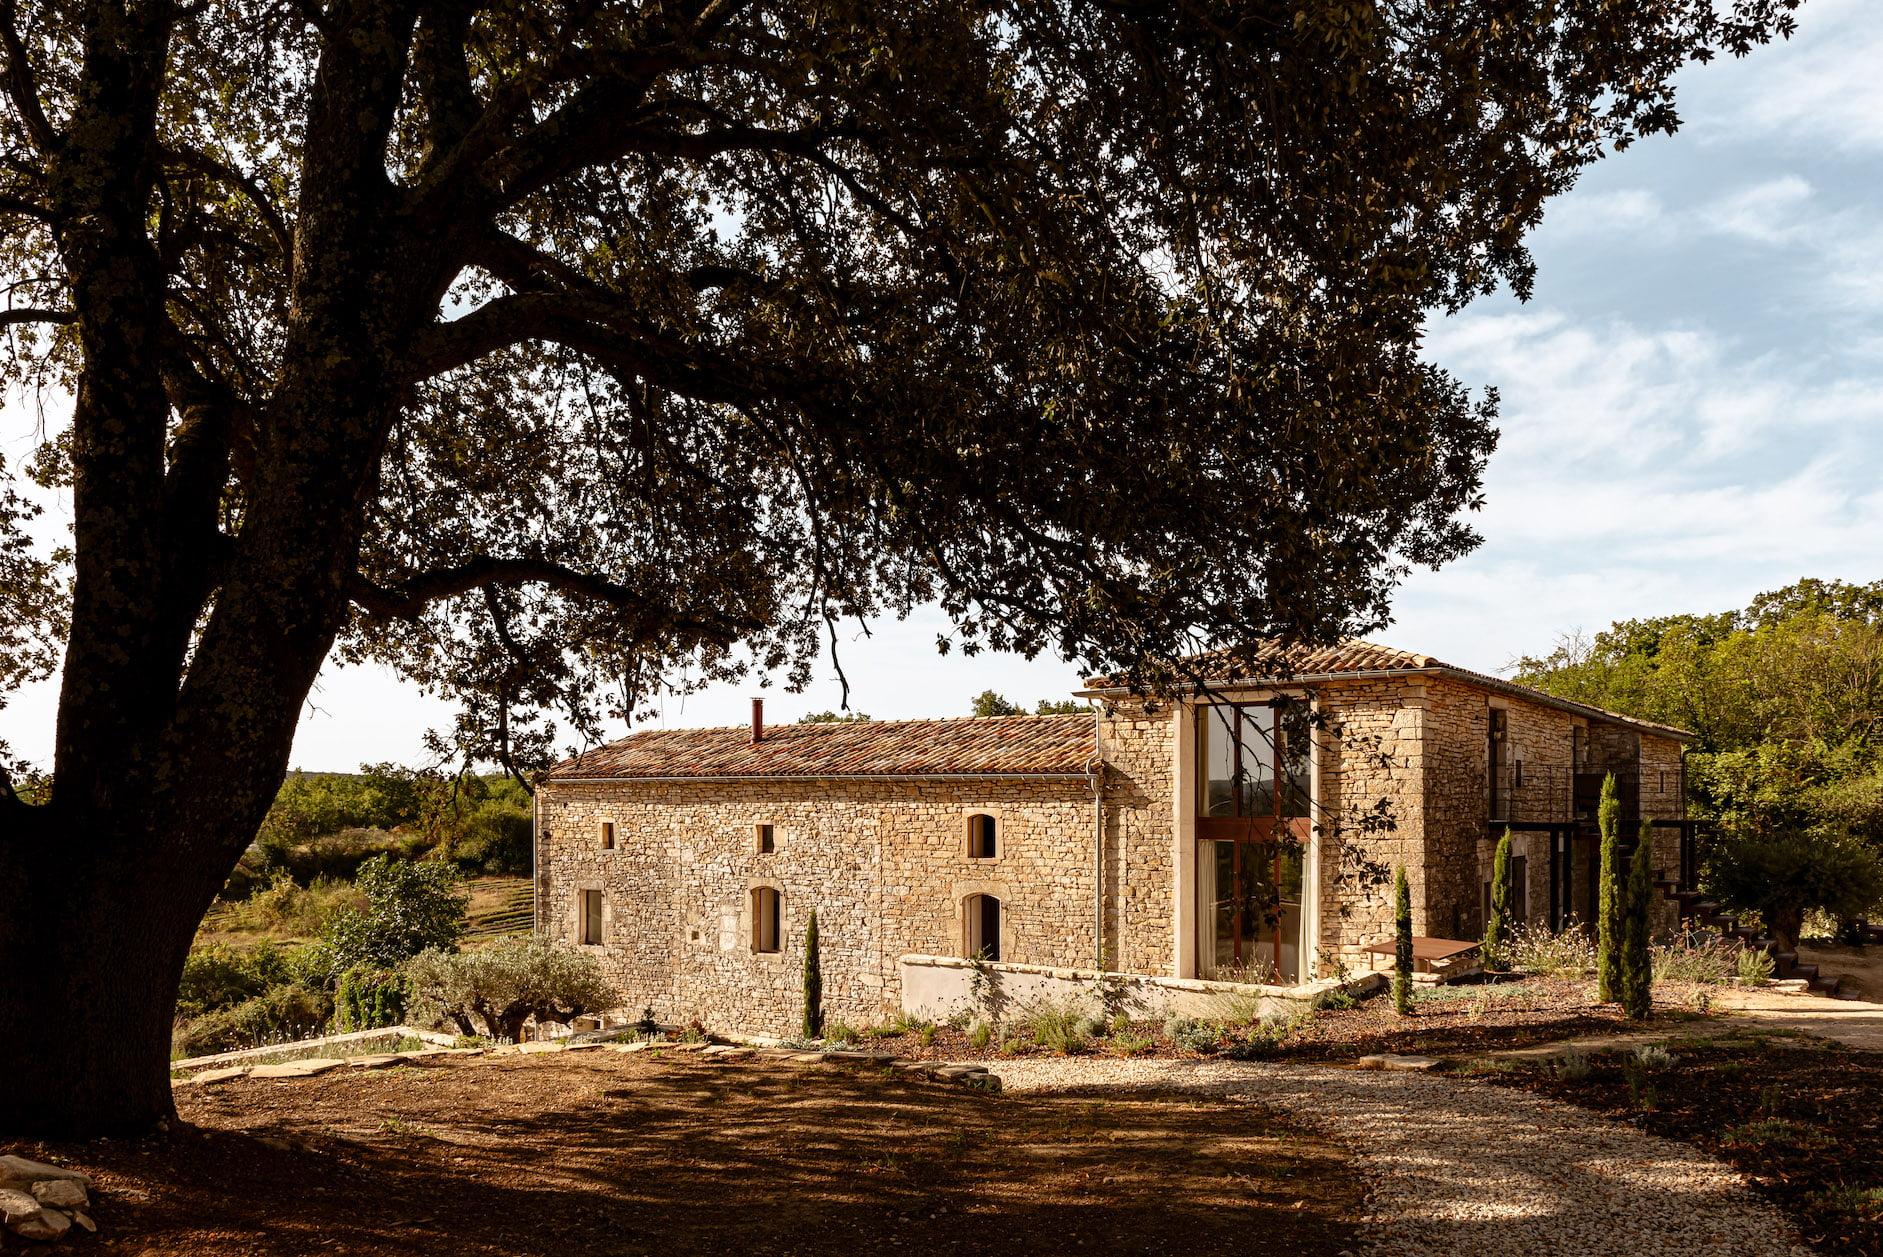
(1424, 950)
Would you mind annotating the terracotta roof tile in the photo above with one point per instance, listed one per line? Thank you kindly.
(984, 746)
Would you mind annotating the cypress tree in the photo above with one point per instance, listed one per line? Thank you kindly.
(1492, 949)
(813, 982)
(1637, 962)
(1609, 905)
(1402, 943)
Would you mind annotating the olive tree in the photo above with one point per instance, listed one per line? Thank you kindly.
(555, 351)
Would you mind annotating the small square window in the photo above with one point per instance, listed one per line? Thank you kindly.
(767, 839)
(982, 841)
(589, 928)
(608, 835)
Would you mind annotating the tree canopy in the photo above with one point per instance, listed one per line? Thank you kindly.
(555, 351)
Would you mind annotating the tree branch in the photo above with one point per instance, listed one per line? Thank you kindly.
(407, 599)
(19, 81)
(203, 163)
(34, 314)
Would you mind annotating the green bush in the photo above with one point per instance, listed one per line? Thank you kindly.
(1189, 1034)
(369, 998)
(281, 1014)
(1755, 966)
(285, 908)
(217, 976)
(495, 990)
(411, 906)
(1783, 874)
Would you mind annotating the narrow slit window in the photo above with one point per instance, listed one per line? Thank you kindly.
(590, 925)
(983, 926)
(767, 839)
(982, 837)
(767, 922)
(608, 835)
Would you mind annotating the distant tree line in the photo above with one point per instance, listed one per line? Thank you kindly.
(1785, 698)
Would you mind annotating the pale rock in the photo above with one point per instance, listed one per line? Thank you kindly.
(219, 1075)
(20, 1170)
(534, 1049)
(42, 1224)
(16, 1205)
(85, 1221)
(297, 1069)
(62, 1192)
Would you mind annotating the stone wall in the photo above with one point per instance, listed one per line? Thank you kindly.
(884, 863)
(1139, 745)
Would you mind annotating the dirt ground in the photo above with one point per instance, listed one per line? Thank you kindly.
(1861, 968)
(1798, 1116)
(599, 1152)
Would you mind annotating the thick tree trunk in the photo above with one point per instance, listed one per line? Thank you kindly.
(91, 948)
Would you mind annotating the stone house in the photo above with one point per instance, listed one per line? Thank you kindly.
(1243, 834)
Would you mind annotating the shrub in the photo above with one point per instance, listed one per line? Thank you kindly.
(1491, 950)
(1534, 949)
(1609, 899)
(1061, 1026)
(980, 1034)
(1703, 958)
(839, 1032)
(369, 998)
(283, 907)
(813, 981)
(496, 989)
(1402, 944)
(1783, 874)
(1655, 1058)
(1267, 1037)
(1637, 972)
(1130, 1043)
(1756, 966)
(281, 1014)
(411, 907)
(1573, 1065)
(1192, 1035)
(217, 976)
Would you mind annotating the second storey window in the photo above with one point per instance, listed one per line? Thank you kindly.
(981, 837)
(766, 839)
(608, 835)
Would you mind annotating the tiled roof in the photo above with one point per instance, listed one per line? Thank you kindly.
(983, 746)
(1275, 661)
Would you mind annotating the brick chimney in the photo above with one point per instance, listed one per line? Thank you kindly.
(758, 721)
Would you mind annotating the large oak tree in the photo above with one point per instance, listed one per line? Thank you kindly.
(552, 349)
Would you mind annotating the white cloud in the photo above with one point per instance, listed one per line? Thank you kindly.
(1772, 212)
(1822, 87)
(1634, 210)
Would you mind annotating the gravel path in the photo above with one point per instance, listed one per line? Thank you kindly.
(1470, 1168)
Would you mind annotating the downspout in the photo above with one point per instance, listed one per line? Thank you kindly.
(1098, 840)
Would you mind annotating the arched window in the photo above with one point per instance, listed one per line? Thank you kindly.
(982, 922)
(981, 837)
(767, 919)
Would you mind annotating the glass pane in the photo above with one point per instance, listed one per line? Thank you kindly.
(1237, 753)
(1218, 756)
(1297, 743)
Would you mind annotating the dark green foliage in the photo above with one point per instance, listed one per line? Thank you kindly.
(281, 1014)
(1782, 874)
(1402, 943)
(834, 718)
(218, 976)
(1061, 707)
(482, 824)
(369, 998)
(1492, 948)
(813, 981)
(989, 703)
(1609, 895)
(1635, 989)
(410, 906)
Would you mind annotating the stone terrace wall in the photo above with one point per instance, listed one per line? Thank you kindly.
(884, 863)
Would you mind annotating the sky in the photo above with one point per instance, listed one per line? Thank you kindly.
(1692, 413)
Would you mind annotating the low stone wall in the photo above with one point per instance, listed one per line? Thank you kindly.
(357, 1041)
(939, 987)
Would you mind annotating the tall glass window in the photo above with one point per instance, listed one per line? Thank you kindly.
(1253, 830)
